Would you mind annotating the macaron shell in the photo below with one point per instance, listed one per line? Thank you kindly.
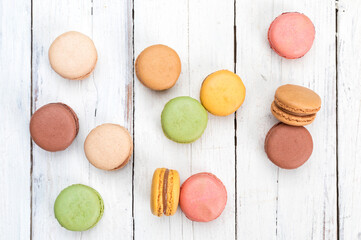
(203, 197)
(73, 55)
(184, 119)
(156, 198)
(288, 147)
(297, 99)
(54, 126)
(108, 146)
(78, 207)
(290, 119)
(158, 67)
(173, 188)
(222, 93)
(291, 35)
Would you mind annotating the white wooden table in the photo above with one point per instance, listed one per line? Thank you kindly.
(321, 200)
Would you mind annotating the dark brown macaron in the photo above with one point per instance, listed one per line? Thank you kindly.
(288, 147)
(53, 127)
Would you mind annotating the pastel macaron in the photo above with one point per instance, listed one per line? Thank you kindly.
(165, 192)
(184, 119)
(288, 147)
(158, 67)
(54, 126)
(203, 197)
(295, 105)
(78, 207)
(291, 35)
(73, 55)
(222, 93)
(108, 146)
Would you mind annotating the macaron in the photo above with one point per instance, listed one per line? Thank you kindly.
(184, 119)
(78, 207)
(158, 67)
(222, 93)
(295, 105)
(288, 147)
(53, 127)
(108, 146)
(165, 192)
(73, 55)
(291, 35)
(203, 197)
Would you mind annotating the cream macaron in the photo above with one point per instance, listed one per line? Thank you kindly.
(73, 55)
(108, 147)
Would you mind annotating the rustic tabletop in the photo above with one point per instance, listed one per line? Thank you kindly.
(320, 200)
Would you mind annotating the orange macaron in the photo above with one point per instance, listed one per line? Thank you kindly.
(295, 105)
(222, 93)
(158, 67)
(165, 192)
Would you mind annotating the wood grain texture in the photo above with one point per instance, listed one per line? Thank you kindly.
(275, 203)
(106, 96)
(264, 202)
(15, 91)
(349, 119)
(204, 42)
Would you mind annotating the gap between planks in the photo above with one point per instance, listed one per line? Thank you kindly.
(336, 75)
(235, 122)
(31, 113)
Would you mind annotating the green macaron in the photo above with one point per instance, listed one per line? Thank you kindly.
(184, 119)
(78, 207)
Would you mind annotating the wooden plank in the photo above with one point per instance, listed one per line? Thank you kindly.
(106, 96)
(275, 203)
(15, 97)
(211, 48)
(204, 42)
(349, 118)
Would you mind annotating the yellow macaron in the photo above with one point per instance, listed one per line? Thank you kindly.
(222, 93)
(165, 192)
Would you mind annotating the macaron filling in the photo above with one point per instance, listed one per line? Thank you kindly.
(165, 187)
(284, 115)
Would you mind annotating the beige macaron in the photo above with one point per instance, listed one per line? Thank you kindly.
(295, 105)
(108, 146)
(73, 55)
(158, 67)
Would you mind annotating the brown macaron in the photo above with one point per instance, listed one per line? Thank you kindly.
(295, 105)
(108, 146)
(158, 67)
(73, 55)
(54, 126)
(288, 147)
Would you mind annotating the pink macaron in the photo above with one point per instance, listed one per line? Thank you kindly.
(203, 197)
(291, 35)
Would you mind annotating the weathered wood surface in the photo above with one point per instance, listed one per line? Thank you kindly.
(106, 96)
(349, 118)
(15, 98)
(204, 42)
(317, 201)
(297, 204)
